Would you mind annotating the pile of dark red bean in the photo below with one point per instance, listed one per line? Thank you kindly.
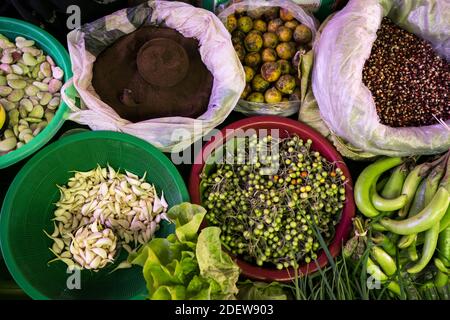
(409, 82)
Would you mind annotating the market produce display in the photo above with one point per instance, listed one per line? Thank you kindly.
(270, 44)
(270, 214)
(410, 219)
(275, 204)
(101, 211)
(408, 80)
(30, 84)
(164, 68)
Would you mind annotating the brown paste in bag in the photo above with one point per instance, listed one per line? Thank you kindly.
(153, 72)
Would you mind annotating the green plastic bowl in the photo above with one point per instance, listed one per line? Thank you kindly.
(29, 205)
(12, 28)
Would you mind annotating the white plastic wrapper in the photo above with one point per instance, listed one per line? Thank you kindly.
(283, 108)
(170, 134)
(346, 104)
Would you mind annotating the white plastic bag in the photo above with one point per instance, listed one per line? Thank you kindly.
(170, 134)
(346, 104)
(282, 108)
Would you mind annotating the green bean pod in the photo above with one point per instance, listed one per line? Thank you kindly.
(431, 240)
(385, 261)
(369, 177)
(411, 184)
(424, 220)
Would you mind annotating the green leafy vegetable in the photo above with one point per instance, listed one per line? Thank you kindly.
(249, 290)
(188, 218)
(187, 265)
(216, 264)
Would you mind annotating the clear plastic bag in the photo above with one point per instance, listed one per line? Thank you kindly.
(282, 108)
(171, 134)
(346, 106)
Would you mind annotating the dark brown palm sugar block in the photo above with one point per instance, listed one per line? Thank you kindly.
(151, 73)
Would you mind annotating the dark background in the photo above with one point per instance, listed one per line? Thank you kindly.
(50, 14)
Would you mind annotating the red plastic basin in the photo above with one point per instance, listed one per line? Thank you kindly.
(286, 126)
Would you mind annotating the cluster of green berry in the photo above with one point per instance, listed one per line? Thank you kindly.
(269, 216)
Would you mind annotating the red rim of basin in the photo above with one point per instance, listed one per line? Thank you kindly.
(319, 144)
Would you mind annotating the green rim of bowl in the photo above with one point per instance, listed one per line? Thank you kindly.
(11, 263)
(55, 49)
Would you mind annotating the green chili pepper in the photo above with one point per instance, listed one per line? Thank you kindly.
(375, 271)
(388, 205)
(394, 287)
(432, 182)
(367, 179)
(394, 185)
(406, 241)
(425, 219)
(412, 252)
(386, 262)
(381, 184)
(434, 211)
(431, 239)
(443, 262)
(444, 246)
(423, 197)
(411, 184)
(378, 227)
(441, 279)
(417, 205)
(440, 265)
(445, 221)
(444, 249)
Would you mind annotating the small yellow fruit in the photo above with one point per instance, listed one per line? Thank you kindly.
(273, 96)
(3, 116)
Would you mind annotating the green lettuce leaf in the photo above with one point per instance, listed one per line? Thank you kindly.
(169, 293)
(187, 265)
(250, 290)
(216, 264)
(188, 218)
